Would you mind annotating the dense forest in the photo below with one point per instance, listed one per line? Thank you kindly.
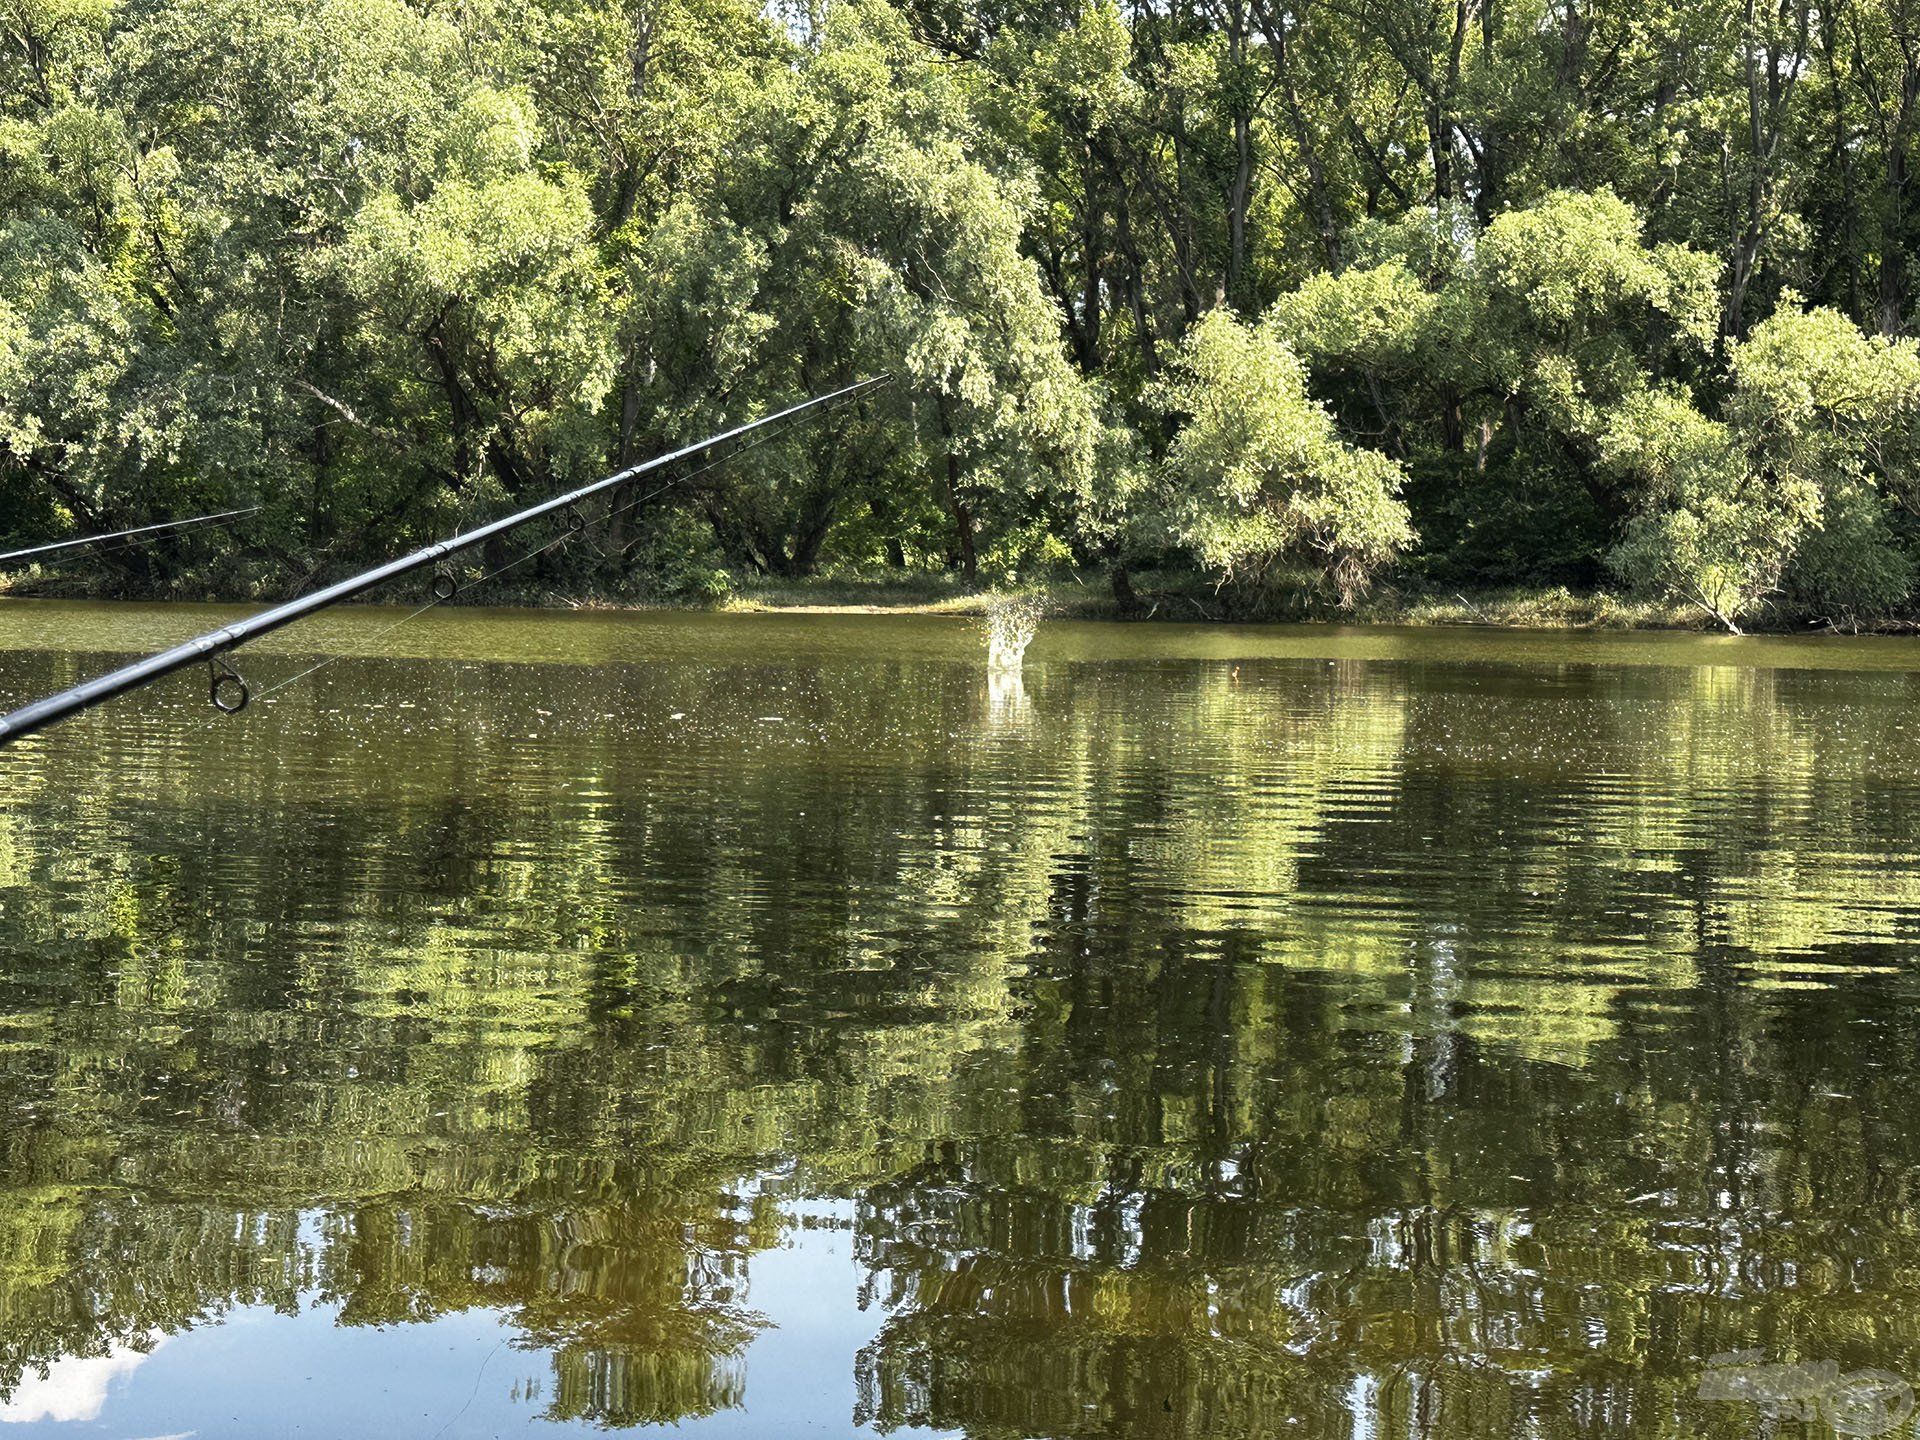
(1298, 300)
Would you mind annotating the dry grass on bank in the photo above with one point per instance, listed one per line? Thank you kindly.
(1162, 596)
(1181, 598)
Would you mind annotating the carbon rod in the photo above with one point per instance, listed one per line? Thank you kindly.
(42, 713)
(123, 534)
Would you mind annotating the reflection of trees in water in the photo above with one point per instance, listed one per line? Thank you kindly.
(638, 1299)
(1213, 1044)
(1248, 1240)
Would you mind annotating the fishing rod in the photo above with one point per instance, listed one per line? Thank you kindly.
(57, 545)
(228, 691)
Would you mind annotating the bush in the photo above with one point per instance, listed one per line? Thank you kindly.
(1853, 567)
(675, 557)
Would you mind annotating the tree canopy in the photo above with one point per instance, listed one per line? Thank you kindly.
(1295, 299)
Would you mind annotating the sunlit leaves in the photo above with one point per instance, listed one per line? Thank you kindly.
(1819, 425)
(1372, 318)
(1805, 372)
(1572, 259)
(1257, 476)
(1705, 533)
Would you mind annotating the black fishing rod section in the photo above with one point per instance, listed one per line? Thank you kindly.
(57, 546)
(225, 687)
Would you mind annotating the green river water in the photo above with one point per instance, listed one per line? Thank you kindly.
(538, 1023)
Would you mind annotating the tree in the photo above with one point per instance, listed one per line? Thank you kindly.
(861, 235)
(484, 300)
(381, 268)
(1818, 434)
(1705, 533)
(1257, 479)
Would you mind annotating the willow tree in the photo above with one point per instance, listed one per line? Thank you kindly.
(484, 294)
(852, 230)
(1792, 489)
(1491, 358)
(1257, 479)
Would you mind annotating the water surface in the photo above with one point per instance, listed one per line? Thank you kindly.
(540, 1023)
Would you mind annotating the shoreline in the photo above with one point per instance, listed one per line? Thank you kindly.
(1514, 608)
(1542, 608)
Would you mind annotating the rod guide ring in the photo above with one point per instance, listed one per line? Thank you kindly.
(225, 687)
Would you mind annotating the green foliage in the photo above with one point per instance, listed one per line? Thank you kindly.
(384, 269)
(1795, 480)
(490, 279)
(679, 559)
(1492, 357)
(1571, 294)
(1856, 565)
(1706, 531)
(1257, 475)
(1372, 319)
(1821, 400)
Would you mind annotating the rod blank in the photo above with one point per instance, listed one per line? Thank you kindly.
(42, 713)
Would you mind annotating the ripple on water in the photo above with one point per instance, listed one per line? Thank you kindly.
(1422, 1031)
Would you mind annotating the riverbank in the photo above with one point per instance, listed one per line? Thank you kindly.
(1090, 596)
(1095, 600)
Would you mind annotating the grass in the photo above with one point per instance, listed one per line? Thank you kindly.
(1181, 597)
(1538, 608)
(1186, 597)
(1162, 596)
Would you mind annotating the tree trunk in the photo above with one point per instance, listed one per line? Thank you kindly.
(1487, 196)
(964, 548)
(1893, 224)
(1453, 425)
(896, 553)
(1276, 21)
(1440, 143)
(1136, 286)
(1087, 340)
(962, 523)
(1239, 201)
(623, 454)
(1240, 189)
(1771, 74)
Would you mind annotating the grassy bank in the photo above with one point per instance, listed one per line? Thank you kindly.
(1160, 596)
(1180, 598)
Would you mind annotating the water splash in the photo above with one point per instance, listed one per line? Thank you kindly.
(1007, 704)
(1011, 622)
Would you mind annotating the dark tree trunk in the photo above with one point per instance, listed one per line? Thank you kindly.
(1487, 196)
(1892, 298)
(1277, 22)
(1087, 340)
(1240, 188)
(1771, 75)
(617, 500)
(1136, 286)
(1440, 144)
(956, 502)
(883, 516)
